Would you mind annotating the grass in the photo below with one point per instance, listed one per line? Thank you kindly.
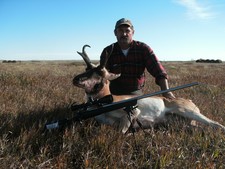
(33, 93)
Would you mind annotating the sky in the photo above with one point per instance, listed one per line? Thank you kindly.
(176, 30)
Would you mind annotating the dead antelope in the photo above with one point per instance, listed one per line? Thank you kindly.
(152, 110)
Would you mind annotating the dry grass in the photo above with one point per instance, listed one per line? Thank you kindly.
(34, 93)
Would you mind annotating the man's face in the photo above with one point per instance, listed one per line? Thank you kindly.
(124, 34)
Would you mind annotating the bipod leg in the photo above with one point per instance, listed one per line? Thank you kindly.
(141, 126)
(129, 111)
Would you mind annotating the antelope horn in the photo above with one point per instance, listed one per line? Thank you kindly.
(85, 57)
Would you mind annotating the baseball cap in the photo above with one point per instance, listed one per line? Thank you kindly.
(123, 21)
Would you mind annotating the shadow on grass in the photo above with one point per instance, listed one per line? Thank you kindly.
(14, 125)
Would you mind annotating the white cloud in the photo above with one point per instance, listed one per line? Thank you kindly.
(197, 10)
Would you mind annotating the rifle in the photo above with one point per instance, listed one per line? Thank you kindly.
(96, 107)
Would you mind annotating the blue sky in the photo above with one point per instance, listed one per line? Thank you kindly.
(177, 30)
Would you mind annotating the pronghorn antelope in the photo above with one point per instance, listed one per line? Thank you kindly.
(149, 111)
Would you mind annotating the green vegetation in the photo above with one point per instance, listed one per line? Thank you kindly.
(33, 93)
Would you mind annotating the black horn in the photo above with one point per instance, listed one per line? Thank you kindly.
(85, 57)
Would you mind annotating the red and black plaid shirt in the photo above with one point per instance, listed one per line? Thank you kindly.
(132, 66)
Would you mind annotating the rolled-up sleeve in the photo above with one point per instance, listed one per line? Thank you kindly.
(154, 66)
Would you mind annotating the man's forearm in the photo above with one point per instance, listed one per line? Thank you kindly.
(164, 85)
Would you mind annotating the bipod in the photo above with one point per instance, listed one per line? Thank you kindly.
(131, 115)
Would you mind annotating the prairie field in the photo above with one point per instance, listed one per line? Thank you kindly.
(34, 93)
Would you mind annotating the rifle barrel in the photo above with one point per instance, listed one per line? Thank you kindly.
(124, 103)
(165, 91)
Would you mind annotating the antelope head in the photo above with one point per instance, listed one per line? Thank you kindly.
(96, 77)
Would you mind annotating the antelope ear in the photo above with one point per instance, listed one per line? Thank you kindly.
(111, 76)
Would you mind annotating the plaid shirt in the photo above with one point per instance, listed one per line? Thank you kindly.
(132, 67)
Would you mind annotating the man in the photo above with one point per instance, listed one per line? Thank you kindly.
(130, 58)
